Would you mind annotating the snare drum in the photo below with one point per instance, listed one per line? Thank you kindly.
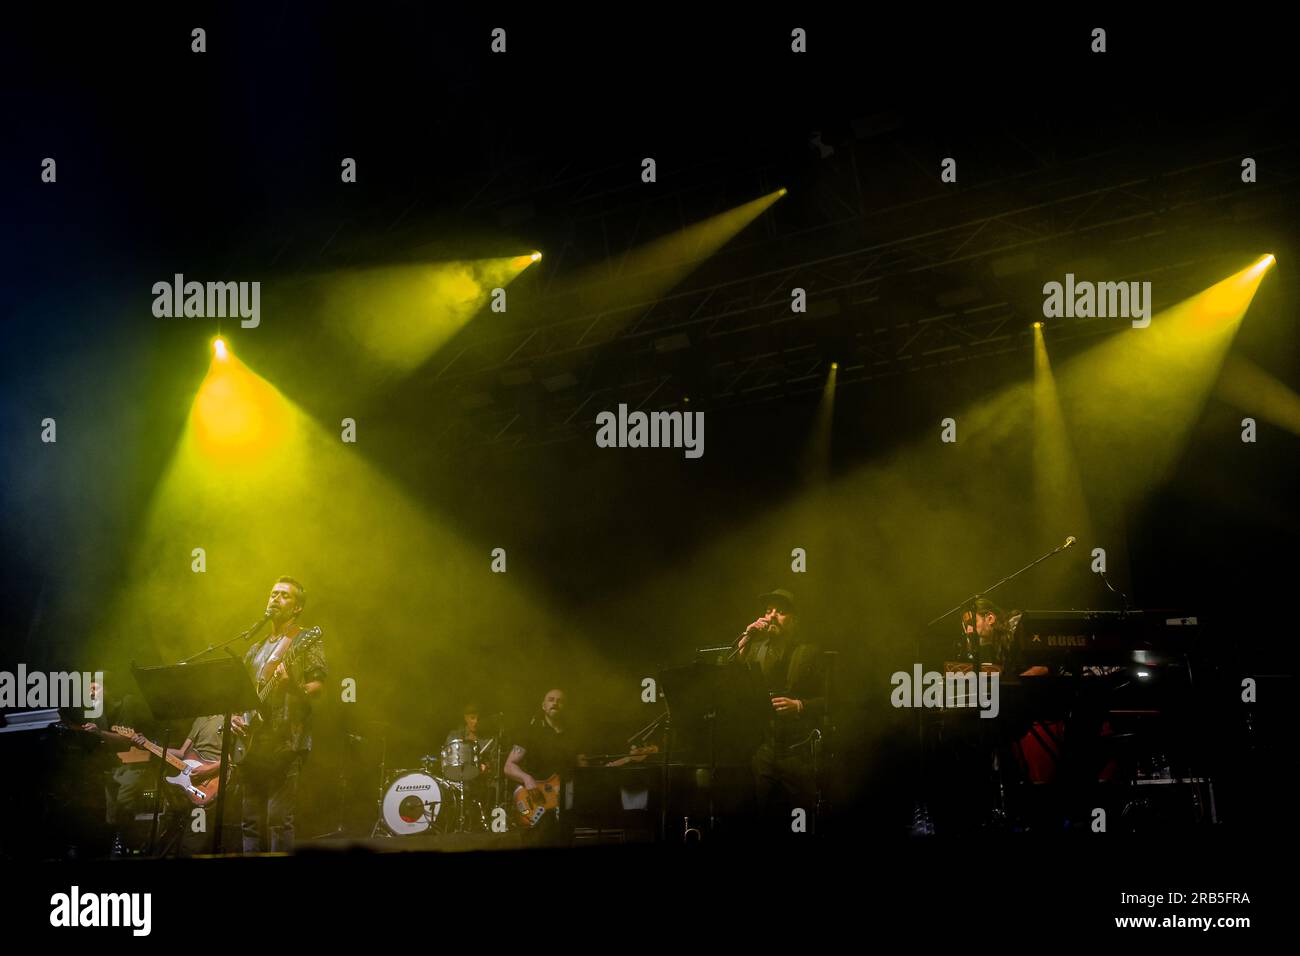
(412, 803)
(460, 760)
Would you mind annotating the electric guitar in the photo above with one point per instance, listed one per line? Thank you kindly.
(197, 778)
(637, 755)
(241, 747)
(531, 805)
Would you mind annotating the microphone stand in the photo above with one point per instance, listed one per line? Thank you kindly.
(498, 798)
(1123, 596)
(735, 648)
(242, 635)
(1015, 574)
(970, 603)
(223, 778)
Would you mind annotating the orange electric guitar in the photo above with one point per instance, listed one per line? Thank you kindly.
(196, 778)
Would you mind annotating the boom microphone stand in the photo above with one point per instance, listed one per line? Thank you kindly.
(970, 603)
(993, 587)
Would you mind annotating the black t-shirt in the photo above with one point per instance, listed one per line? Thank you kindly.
(547, 751)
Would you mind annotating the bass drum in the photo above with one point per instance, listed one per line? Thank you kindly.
(413, 802)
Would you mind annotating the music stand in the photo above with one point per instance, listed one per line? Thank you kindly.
(723, 701)
(195, 690)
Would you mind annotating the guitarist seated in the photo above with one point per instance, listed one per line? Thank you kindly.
(541, 760)
(179, 835)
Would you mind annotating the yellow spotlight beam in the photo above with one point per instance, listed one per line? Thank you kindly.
(643, 274)
(236, 414)
(1258, 394)
(928, 523)
(1134, 398)
(817, 457)
(935, 518)
(1061, 508)
(391, 319)
(263, 490)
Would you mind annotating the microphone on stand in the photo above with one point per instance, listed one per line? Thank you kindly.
(260, 623)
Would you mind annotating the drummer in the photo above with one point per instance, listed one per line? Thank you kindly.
(469, 731)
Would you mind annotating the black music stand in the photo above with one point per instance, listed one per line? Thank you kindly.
(720, 702)
(188, 691)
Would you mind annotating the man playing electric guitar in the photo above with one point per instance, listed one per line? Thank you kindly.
(288, 670)
(540, 762)
(125, 785)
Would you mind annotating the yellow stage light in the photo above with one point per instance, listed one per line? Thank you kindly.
(535, 256)
(219, 349)
(1224, 304)
(236, 413)
(1260, 267)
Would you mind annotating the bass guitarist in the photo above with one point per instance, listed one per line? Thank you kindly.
(541, 761)
(288, 670)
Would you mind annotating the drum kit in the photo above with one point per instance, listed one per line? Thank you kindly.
(446, 794)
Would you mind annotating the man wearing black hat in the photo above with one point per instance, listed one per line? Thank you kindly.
(790, 670)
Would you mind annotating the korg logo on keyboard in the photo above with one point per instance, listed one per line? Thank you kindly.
(1066, 640)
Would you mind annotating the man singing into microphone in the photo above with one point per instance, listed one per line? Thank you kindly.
(790, 670)
(290, 664)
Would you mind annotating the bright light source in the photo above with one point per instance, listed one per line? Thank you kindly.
(1143, 673)
(782, 191)
(219, 349)
(535, 256)
(1260, 266)
(834, 366)
(1038, 325)
(236, 412)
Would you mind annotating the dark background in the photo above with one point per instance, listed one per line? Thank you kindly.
(227, 164)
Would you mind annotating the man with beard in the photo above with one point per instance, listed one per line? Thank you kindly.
(790, 670)
(547, 747)
(282, 739)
